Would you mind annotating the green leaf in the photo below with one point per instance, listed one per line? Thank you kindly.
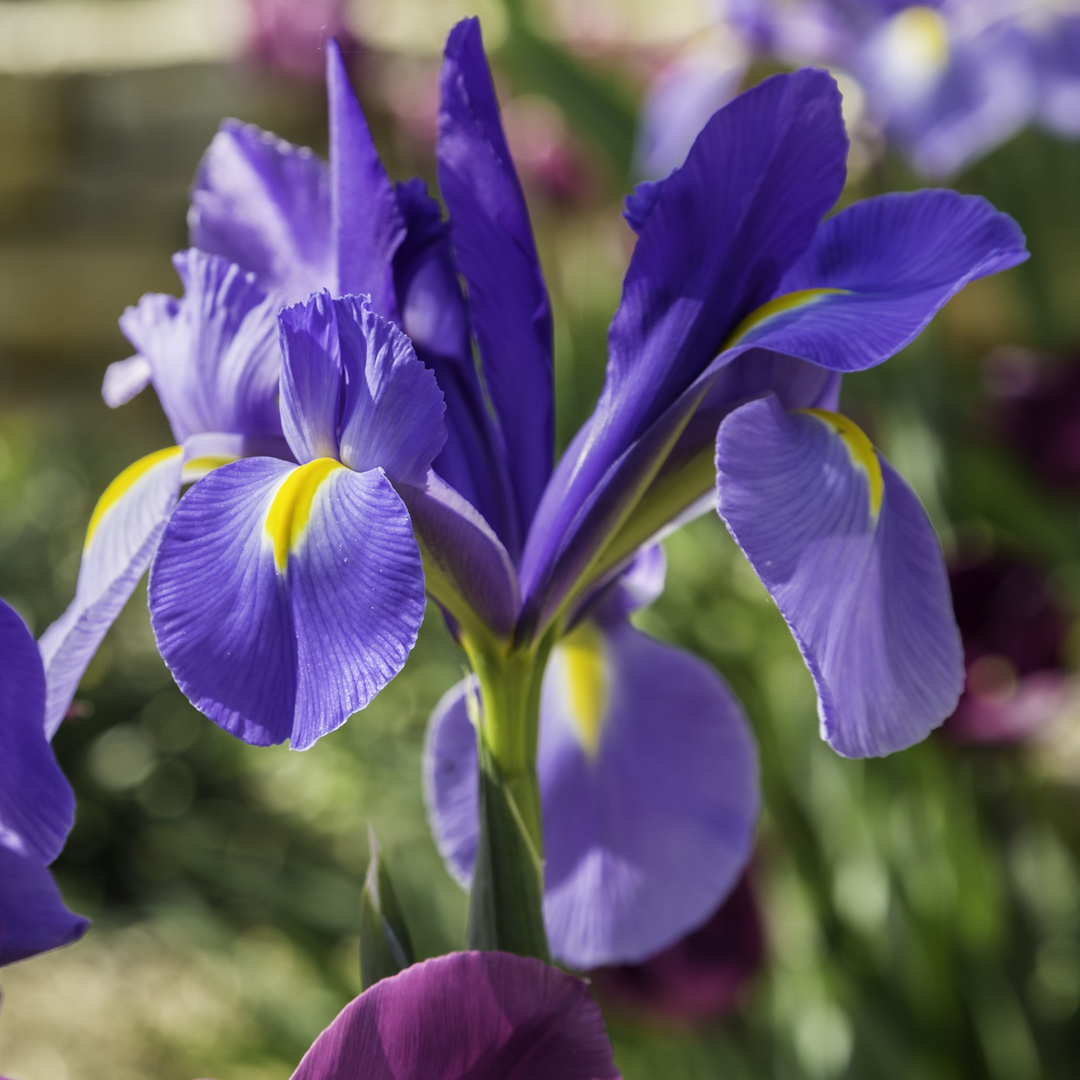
(505, 905)
(385, 947)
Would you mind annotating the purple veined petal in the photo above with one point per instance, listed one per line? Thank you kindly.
(284, 598)
(33, 918)
(367, 223)
(125, 379)
(493, 241)
(851, 560)
(37, 806)
(213, 353)
(123, 535)
(878, 272)
(467, 1016)
(264, 204)
(683, 98)
(467, 569)
(474, 460)
(648, 776)
(353, 389)
(724, 228)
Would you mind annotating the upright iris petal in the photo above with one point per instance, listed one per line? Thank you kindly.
(648, 775)
(37, 806)
(467, 1016)
(283, 598)
(851, 560)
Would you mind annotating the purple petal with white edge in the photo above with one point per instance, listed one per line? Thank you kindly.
(468, 570)
(124, 379)
(724, 229)
(368, 226)
(878, 272)
(493, 241)
(123, 535)
(648, 776)
(265, 205)
(284, 598)
(312, 379)
(851, 560)
(33, 918)
(393, 410)
(214, 353)
(467, 1016)
(37, 806)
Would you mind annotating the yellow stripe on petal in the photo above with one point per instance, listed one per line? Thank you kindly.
(584, 659)
(779, 305)
(860, 449)
(124, 483)
(291, 508)
(197, 468)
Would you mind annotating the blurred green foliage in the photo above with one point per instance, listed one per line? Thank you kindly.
(922, 912)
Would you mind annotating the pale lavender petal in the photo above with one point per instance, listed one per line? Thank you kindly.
(124, 379)
(851, 560)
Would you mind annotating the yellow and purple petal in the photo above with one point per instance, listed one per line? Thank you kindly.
(467, 1016)
(648, 775)
(849, 556)
(284, 598)
(878, 272)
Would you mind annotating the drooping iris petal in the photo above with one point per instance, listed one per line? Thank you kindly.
(213, 353)
(36, 803)
(878, 272)
(353, 389)
(851, 560)
(648, 776)
(264, 204)
(467, 1016)
(122, 537)
(722, 231)
(33, 918)
(367, 224)
(493, 241)
(283, 599)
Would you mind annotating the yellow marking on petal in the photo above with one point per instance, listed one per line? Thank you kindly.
(124, 483)
(291, 508)
(197, 468)
(584, 659)
(860, 449)
(779, 305)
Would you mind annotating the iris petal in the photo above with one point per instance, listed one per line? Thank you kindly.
(865, 594)
(649, 783)
(124, 531)
(880, 270)
(265, 205)
(270, 652)
(467, 1016)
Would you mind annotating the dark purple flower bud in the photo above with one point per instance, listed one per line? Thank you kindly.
(480, 1016)
(1014, 634)
(699, 978)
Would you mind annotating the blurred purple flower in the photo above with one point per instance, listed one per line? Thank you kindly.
(37, 806)
(702, 976)
(290, 36)
(466, 1016)
(1014, 635)
(946, 80)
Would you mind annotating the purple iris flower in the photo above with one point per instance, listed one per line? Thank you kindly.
(648, 780)
(466, 1016)
(37, 806)
(946, 80)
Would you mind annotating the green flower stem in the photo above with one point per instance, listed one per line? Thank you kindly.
(506, 902)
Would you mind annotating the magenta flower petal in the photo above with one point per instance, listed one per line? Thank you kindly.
(467, 1016)
(847, 552)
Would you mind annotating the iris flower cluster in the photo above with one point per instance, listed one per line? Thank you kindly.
(944, 80)
(361, 394)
